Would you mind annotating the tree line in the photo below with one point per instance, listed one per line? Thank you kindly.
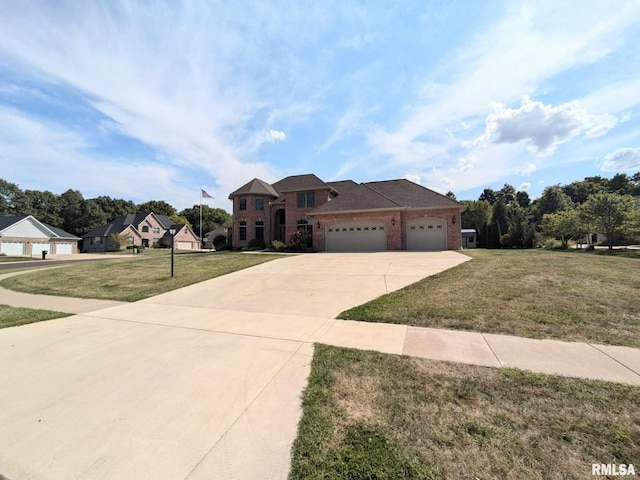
(73, 213)
(508, 218)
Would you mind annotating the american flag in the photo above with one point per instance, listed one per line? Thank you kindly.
(205, 194)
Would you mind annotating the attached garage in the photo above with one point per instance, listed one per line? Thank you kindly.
(427, 234)
(12, 248)
(37, 248)
(184, 245)
(363, 236)
(64, 248)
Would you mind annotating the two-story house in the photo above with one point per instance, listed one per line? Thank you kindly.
(346, 216)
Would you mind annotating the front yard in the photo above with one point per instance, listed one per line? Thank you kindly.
(132, 279)
(13, 316)
(574, 296)
(370, 415)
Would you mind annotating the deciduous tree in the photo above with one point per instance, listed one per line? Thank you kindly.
(607, 213)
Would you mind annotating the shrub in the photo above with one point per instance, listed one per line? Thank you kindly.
(256, 244)
(551, 243)
(219, 241)
(278, 246)
(300, 239)
(505, 240)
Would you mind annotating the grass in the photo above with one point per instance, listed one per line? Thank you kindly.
(368, 415)
(576, 296)
(4, 259)
(132, 279)
(12, 316)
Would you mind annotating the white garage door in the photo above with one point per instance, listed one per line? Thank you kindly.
(184, 245)
(427, 234)
(357, 237)
(12, 248)
(37, 248)
(64, 248)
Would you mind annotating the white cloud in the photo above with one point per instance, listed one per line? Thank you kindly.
(524, 187)
(412, 177)
(543, 127)
(276, 135)
(528, 170)
(622, 159)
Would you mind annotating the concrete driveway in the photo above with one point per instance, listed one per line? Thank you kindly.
(200, 383)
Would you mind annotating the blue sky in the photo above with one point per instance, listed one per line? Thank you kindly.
(153, 100)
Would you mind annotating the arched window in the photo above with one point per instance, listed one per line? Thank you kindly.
(145, 229)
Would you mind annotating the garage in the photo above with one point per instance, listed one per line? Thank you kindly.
(427, 234)
(184, 245)
(64, 248)
(12, 248)
(357, 237)
(37, 248)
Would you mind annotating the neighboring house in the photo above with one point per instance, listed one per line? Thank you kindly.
(224, 230)
(184, 238)
(469, 238)
(26, 235)
(141, 229)
(346, 216)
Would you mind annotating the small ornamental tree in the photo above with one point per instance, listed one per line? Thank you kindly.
(118, 241)
(564, 226)
(607, 213)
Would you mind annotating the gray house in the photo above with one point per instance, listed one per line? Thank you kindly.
(469, 238)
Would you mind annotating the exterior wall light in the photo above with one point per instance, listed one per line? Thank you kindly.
(318, 224)
(393, 222)
(453, 219)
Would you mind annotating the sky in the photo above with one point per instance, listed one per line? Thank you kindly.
(149, 99)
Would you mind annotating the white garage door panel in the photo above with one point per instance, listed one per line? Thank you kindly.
(64, 248)
(12, 248)
(427, 234)
(37, 248)
(184, 246)
(357, 237)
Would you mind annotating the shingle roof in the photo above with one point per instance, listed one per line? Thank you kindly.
(7, 220)
(120, 224)
(343, 186)
(255, 187)
(296, 183)
(383, 195)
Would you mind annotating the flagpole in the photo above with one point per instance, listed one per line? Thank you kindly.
(200, 248)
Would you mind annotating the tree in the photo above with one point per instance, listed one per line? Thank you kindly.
(451, 195)
(117, 241)
(159, 207)
(9, 193)
(507, 194)
(521, 229)
(179, 220)
(552, 200)
(477, 215)
(211, 217)
(45, 206)
(523, 199)
(607, 213)
(565, 225)
(488, 195)
(115, 207)
(580, 191)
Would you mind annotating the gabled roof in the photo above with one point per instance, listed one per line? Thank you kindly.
(297, 183)
(255, 187)
(7, 221)
(390, 194)
(120, 224)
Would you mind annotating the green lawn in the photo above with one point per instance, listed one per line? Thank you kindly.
(368, 415)
(4, 259)
(575, 296)
(12, 316)
(135, 278)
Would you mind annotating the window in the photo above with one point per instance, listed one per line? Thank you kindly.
(243, 204)
(260, 231)
(130, 240)
(306, 199)
(259, 203)
(243, 230)
(145, 229)
(156, 230)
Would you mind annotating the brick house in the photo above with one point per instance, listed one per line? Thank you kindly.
(141, 229)
(346, 216)
(26, 235)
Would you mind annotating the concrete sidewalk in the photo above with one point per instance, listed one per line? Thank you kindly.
(50, 302)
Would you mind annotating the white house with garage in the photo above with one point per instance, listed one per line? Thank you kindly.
(25, 235)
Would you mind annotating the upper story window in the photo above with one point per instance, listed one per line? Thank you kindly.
(306, 199)
(243, 203)
(259, 203)
(156, 230)
(145, 229)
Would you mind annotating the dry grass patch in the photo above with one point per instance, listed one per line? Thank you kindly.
(530, 293)
(426, 419)
(132, 279)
